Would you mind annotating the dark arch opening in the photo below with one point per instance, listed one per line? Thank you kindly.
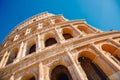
(12, 56)
(50, 41)
(84, 29)
(67, 36)
(28, 77)
(92, 71)
(118, 58)
(111, 49)
(62, 76)
(32, 49)
(33, 78)
(60, 73)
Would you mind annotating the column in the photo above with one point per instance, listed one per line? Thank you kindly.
(77, 72)
(38, 48)
(61, 38)
(20, 52)
(24, 49)
(115, 43)
(42, 42)
(83, 33)
(4, 59)
(107, 64)
(46, 73)
(12, 77)
(78, 31)
(41, 72)
(107, 58)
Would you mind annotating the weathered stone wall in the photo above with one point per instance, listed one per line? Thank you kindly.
(70, 46)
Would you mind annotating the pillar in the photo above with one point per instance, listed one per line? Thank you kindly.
(24, 49)
(46, 73)
(20, 52)
(107, 64)
(42, 42)
(77, 72)
(113, 42)
(41, 72)
(12, 77)
(59, 36)
(38, 43)
(76, 29)
(4, 59)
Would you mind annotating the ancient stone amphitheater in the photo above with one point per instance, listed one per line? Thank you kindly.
(51, 47)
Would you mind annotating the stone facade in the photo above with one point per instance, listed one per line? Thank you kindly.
(51, 47)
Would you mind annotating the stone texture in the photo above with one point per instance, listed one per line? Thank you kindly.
(51, 47)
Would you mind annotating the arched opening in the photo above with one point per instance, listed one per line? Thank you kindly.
(32, 49)
(67, 33)
(93, 72)
(12, 56)
(84, 29)
(28, 77)
(110, 49)
(67, 36)
(60, 73)
(57, 20)
(50, 42)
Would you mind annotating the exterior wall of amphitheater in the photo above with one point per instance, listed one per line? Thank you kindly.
(46, 43)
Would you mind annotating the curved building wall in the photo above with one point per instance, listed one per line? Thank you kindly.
(50, 47)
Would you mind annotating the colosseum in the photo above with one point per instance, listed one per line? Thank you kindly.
(51, 47)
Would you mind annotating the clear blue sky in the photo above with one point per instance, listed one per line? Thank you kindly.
(103, 14)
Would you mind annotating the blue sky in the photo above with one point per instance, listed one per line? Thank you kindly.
(102, 14)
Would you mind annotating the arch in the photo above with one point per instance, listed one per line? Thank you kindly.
(58, 62)
(92, 70)
(84, 29)
(67, 33)
(88, 54)
(12, 56)
(31, 47)
(29, 76)
(114, 51)
(50, 42)
(57, 20)
(60, 72)
(109, 48)
(49, 39)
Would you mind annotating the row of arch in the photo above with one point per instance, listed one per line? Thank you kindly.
(83, 29)
(33, 27)
(67, 33)
(112, 51)
(92, 70)
(109, 49)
